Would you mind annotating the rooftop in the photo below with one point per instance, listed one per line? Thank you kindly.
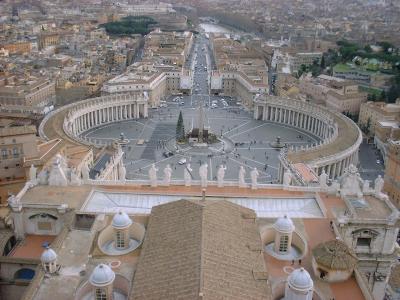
(217, 256)
(31, 246)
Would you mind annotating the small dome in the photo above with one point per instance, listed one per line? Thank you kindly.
(48, 256)
(335, 255)
(284, 225)
(102, 275)
(300, 279)
(121, 220)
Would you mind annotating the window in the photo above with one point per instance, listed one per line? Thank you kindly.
(364, 242)
(46, 226)
(101, 294)
(283, 243)
(4, 153)
(15, 152)
(120, 239)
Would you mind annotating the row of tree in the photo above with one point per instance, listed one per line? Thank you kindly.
(130, 25)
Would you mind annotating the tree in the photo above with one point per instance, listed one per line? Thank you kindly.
(322, 65)
(367, 126)
(393, 93)
(180, 128)
(383, 95)
(368, 49)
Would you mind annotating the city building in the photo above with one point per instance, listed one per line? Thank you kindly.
(372, 112)
(361, 76)
(335, 93)
(48, 39)
(330, 246)
(20, 47)
(15, 144)
(392, 172)
(26, 94)
(162, 70)
(240, 71)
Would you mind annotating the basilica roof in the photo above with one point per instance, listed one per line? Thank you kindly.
(201, 250)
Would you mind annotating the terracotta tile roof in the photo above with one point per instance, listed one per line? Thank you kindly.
(32, 246)
(201, 250)
(335, 255)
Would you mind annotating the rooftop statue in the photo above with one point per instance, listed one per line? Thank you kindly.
(187, 174)
(167, 175)
(242, 174)
(323, 179)
(254, 176)
(203, 172)
(221, 175)
(153, 175)
(32, 173)
(351, 184)
(85, 171)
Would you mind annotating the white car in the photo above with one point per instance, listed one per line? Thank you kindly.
(214, 105)
(182, 161)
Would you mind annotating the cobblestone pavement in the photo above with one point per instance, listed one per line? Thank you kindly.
(246, 141)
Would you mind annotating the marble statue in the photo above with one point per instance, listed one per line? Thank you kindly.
(32, 173)
(122, 172)
(242, 174)
(323, 179)
(287, 178)
(146, 96)
(254, 176)
(85, 172)
(12, 200)
(221, 175)
(365, 188)
(167, 175)
(57, 176)
(75, 180)
(203, 172)
(334, 188)
(153, 175)
(351, 183)
(379, 182)
(187, 174)
(43, 177)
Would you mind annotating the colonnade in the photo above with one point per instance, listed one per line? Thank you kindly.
(317, 121)
(305, 120)
(103, 110)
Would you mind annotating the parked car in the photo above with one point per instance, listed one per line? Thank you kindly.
(168, 154)
(182, 161)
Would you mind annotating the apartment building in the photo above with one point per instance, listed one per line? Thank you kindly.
(241, 72)
(338, 94)
(28, 94)
(392, 172)
(161, 72)
(15, 143)
(372, 112)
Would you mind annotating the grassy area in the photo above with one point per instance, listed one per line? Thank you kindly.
(372, 91)
(130, 25)
(346, 67)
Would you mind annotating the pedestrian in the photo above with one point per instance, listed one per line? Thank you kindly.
(299, 261)
(292, 262)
